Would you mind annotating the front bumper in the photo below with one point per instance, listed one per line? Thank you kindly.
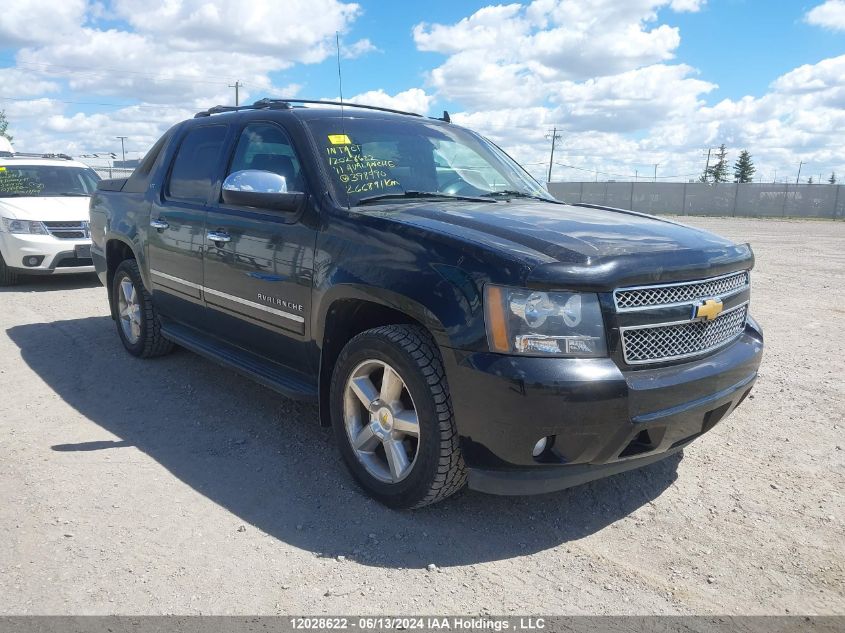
(600, 419)
(60, 256)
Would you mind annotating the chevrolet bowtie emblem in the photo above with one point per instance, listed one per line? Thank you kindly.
(709, 310)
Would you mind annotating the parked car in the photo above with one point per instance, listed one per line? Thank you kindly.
(44, 215)
(455, 323)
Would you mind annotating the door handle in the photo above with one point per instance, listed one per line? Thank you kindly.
(218, 236)
(160, 224)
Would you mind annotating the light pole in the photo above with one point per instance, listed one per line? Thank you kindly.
(237, 86)
(123, 148)
(554, 136)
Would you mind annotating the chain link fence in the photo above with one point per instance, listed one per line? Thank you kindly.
(749, 200)
(112, 172)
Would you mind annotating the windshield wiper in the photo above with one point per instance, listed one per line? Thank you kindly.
(509, 193)
(420, 194)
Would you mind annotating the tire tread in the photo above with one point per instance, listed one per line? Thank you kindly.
(155, 344)
(418, 343)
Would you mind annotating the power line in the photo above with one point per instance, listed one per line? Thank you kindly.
(93, 72)
(96, 103)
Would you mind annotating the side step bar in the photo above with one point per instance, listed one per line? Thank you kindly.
(289, 383)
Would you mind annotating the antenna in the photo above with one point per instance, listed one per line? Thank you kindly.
(340, 90)
(339, 75)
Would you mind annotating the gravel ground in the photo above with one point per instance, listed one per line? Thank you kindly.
(175, 486)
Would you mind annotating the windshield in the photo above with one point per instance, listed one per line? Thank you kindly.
(369, 158)
(46, 180)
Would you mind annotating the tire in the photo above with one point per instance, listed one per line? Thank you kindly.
(8, 277)
(434, 467)
(144, 339)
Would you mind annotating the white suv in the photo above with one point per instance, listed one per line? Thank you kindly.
(44, 215)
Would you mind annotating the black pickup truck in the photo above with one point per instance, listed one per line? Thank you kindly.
(455, 323)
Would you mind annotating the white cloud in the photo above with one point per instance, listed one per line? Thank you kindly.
(25, 22)
(16, 83)
(358, 49)
(176, 51)
(413, 100)
(521, 54)
(829, 15)
(603, 72)
(295, 31)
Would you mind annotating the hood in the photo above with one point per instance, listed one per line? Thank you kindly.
(46, 208)
(579, 246)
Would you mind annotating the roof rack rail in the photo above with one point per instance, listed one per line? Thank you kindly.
(285, 104)
(5, 154)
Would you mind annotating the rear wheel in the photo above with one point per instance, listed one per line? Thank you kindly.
(392, 417)
(8, 277)
(137, 322)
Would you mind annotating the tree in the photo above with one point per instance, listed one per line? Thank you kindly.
(743, 168)
(719, 171)
(4, 125)
(810, 180)
(832, 179)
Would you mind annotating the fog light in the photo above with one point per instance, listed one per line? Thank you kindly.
(32, 260)
(540, 446)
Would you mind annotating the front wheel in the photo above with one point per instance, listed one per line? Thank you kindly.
(392, 417)
(137, 322)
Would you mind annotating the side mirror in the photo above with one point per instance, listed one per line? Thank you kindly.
(261, 189)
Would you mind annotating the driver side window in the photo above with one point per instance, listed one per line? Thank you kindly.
(267, 147)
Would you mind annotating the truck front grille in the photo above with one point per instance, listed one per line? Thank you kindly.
(680, 336)
(672, 341)
(69, 230)
(680, 293)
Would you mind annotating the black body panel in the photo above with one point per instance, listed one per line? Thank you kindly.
(429, 261)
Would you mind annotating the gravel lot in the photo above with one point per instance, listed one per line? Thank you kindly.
(175, 486)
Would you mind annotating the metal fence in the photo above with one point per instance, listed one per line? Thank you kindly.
(112, 172)
(752, 200)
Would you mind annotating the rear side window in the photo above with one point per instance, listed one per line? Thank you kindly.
(138, 181)
(195, 164)
(266, 147)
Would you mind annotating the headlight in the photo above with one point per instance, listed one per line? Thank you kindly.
(24, 226)
(544, 323)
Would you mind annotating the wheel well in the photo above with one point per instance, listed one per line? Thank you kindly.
(344, 320)
(116, 252)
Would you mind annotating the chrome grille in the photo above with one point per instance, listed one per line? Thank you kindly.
(680, 293)
(653, 344)
(69, 230)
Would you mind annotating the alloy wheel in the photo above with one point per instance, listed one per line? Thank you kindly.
(381, 421)
(129, 310)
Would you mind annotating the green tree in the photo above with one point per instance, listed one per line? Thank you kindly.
(832, 179)
(719, 170)
(4, 125)
(744, 168)
(810, 180)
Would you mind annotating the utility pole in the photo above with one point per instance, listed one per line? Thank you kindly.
(123, 148)
(800, 165)
(707, 164)
(655, 171)
(236, 86)
(554, 136)
(636, 175)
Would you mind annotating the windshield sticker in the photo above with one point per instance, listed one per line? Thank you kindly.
(339, 139)
(19, 184)
(359, 172)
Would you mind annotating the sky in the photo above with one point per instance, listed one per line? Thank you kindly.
(627, 84)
